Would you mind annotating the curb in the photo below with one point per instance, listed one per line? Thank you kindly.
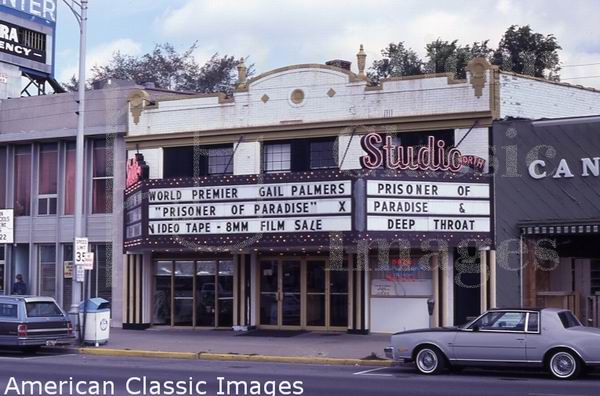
(232, 357)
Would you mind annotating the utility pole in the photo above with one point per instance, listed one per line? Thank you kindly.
(79, 10)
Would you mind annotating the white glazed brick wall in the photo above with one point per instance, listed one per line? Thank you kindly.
(246, 160)
(423, 96)
(475, 143)
(153, 158)
(528, 98)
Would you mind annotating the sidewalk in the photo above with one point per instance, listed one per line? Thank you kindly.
(304, 347)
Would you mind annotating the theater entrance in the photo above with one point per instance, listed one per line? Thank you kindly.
(302, 294)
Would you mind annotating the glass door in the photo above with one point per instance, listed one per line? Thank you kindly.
(269, 293)
(290, 296)
(315, 293)
(183, 292)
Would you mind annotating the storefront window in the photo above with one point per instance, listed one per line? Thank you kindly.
(276, 158)
(323, 154)
(183, 306)
(101, 276)
(47, 270)
(67, 276)
(47, 179)
(163, 272)
(2, 177)
(70, 161)
(220, 161)
(22, 180)
(225, 293)
(205, 293)
(401, 277)
(102, 178)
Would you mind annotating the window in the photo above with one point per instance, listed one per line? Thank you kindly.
(504, 321)
(2, 177)
(67, 283)
(47, 270)
(70, 163)
(22, 180)
(533, 326)
(101, 275)
(8, 310)
(323, 154)
(102, 178)
(2, 267)
(47, 179)
(41, 308)
(568, 319)
(276, 158)
(220, 161)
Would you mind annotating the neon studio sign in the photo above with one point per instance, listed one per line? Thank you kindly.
(382, 152)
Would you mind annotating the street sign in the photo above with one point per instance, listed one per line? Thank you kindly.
(6, 226)
(88, 264)
(81, 250)
(79, 273)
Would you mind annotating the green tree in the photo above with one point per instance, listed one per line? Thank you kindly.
(397, 61)
(525, 52)
(450, 57)
(170, 69)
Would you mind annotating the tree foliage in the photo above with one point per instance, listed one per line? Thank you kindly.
(397, 61)
(525, 52)
(169, 69)
(520, 50)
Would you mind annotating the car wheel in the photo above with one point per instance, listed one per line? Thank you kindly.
(430, 360)
(564, 365)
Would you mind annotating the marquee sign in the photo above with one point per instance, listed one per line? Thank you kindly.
(427, 206)
(137, 170)
(323, 206)
(381, 152)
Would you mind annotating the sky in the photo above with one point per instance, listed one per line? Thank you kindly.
(279, 33)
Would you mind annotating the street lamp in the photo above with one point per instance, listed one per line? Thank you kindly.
(79, 10)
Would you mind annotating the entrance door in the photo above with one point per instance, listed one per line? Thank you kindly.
(303, 294)
(280, 293)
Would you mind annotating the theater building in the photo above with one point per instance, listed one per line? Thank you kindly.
(312, 199)
(548, 213)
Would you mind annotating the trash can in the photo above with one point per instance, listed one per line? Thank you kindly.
(97, 320)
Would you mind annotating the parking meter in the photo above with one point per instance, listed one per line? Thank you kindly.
(430, 307)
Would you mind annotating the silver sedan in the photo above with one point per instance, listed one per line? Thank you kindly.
(551, 338)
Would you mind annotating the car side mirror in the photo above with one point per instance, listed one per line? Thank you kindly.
(475, 328)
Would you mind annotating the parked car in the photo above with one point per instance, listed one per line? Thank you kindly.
(551, 338)
(29, 323)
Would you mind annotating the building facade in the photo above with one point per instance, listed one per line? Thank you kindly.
(547, 212)
(311, 199)
(37, 181)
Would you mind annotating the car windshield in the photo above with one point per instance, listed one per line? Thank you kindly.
(568, 319)
(42, 309)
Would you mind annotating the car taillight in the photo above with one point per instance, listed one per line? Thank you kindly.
(22, 330)
(69, 328)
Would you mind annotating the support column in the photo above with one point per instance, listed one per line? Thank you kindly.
(483, 284)
(492, 292)
(254, 289)
(435, 281)
(134, 316)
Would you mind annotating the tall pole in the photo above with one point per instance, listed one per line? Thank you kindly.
(79, 173)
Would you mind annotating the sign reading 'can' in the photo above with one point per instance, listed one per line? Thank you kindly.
(428, 206)
(251, 208)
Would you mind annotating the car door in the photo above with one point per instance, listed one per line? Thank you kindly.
(496, 336)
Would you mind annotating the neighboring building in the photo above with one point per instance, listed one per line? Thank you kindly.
(253, 198)
(548, 212)
(37, 179)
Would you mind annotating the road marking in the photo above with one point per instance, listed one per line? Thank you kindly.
(554, 394)
(371, 371)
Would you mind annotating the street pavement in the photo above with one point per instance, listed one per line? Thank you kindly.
(315, 379)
